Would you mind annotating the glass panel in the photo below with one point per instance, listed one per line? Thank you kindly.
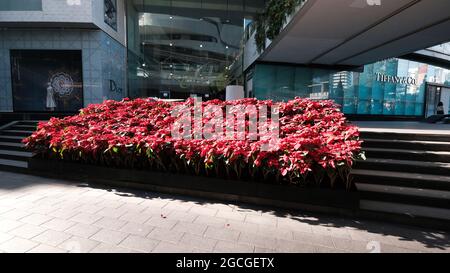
(432, 100)
(20, 5)
(389, 87)
(47, 80)
(445, 99)
(185, 47)
(110, 8)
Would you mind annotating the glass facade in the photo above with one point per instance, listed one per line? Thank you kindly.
(47, 80)
(110, 7)
(20, 5)
(184, 47)
(392, 87)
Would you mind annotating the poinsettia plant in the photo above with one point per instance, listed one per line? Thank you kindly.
(316, 145)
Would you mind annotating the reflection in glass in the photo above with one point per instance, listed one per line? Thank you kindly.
(357, 93)
(185, 47)
(47, 80)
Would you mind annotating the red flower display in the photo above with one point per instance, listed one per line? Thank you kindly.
(316, 144)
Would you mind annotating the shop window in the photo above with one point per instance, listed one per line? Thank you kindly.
(47, 80)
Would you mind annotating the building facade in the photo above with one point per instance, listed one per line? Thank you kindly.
(179, 48)
(77, 47)
(393, 87)
(62, 55)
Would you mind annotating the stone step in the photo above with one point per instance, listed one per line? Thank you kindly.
(12, 146)
(14, 163)
(405, 195)
(15, 155)
(23, 127)
(406, 144)
(407, 191)
(28, 122)
(418, 155)
(396, 165)
(15, 139)
(406, 136)
(23, 133)
(409, 210)
(402, 179)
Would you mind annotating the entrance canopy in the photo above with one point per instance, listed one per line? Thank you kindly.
(358, 32)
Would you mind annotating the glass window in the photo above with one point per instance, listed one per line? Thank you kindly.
(47, 80)
(185, 47)
(111, 13)
(393, 87)
(20, 5)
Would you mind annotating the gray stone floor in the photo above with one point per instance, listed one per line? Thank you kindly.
(47, 215)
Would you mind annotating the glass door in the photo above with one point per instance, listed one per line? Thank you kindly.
(445, 99)
(436, 94)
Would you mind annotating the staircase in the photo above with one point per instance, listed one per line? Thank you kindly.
(13, 156)
(405, 175)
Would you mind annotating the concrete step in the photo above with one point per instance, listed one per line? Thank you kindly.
(405, 209)
(406, 191)
(12, 146)
(396, 165)
(28, 122)
(407, 144)
(15, 139)
(23, 133)
(23, 127)
(406, 136)
(405, 195)
(14, 163)
(15, 155)
(402, 179)
(418, 155)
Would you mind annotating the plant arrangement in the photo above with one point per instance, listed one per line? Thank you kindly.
(316, 145)
(268, 24)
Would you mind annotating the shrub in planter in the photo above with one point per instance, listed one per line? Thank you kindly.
(316, 145)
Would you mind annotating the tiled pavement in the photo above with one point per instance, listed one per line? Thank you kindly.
(47, 215)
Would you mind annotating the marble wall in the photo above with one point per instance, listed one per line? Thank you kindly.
(103, 60)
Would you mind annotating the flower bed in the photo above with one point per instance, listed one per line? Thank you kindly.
(316, 145)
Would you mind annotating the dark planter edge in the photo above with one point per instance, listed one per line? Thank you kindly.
(345, 203)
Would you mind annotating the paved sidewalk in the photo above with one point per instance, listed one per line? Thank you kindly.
(47, 215)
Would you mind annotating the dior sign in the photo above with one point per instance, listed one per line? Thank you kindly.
(396, 79)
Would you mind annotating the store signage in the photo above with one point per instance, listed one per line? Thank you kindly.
(113, 87)
(396, 79)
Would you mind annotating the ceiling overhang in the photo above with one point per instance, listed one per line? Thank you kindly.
(355, 33)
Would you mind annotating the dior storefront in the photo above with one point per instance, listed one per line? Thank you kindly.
(77, 57)
(54, 76)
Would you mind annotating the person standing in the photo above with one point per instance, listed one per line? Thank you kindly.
(51, 104)
(440, 108)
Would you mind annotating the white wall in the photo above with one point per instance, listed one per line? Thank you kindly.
(76, 11)
(103, 59)
(98, 19)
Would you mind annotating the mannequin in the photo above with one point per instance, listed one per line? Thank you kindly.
(51, 104)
